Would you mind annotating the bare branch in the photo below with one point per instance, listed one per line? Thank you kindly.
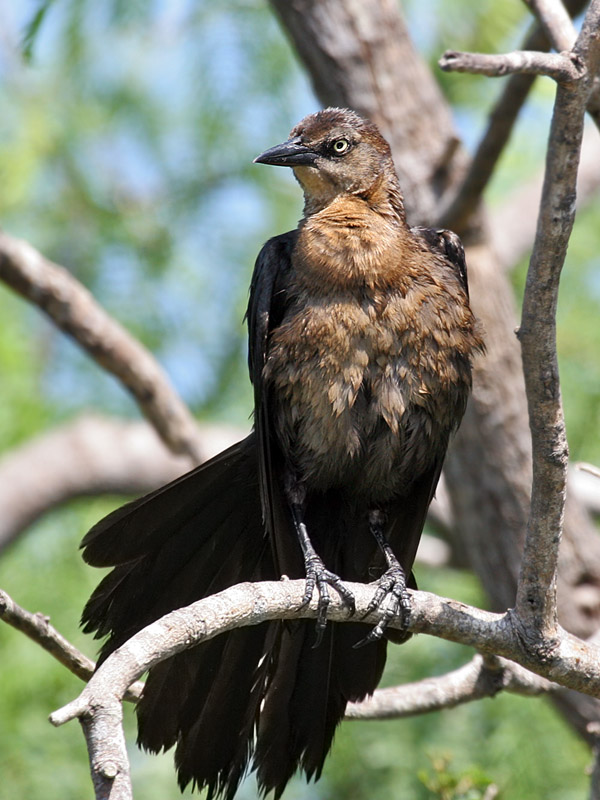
(462, 202)
(588, 468)
(561, 32)
(514, 215)
(572, 663)
(481, 677)
(37, 627)
(562, 67)
(73, 309)
(90, 456)
(536, 595)
(556, 22)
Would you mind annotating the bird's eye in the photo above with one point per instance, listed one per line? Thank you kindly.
(340, 146)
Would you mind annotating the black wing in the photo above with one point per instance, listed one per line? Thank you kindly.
(448, 244)
(266, 307)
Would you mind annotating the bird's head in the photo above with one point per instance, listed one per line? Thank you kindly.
(333, 153)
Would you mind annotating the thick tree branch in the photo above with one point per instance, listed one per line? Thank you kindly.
(561, 67)
(90, 456)
(536, 596)
(481, 677)
(73, 309)
(572, 663)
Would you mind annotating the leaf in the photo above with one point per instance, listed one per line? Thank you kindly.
(32, 29)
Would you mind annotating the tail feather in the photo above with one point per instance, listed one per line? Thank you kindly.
(262, 695)
(215, 742)
(140, 526)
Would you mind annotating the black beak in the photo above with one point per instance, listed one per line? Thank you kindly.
(289, 154)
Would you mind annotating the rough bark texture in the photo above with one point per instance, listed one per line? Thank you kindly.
(359, 54)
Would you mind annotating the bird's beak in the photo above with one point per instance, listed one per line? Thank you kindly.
(289, 154)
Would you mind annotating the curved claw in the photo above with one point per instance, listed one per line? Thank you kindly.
(391, 587)
(317, 575)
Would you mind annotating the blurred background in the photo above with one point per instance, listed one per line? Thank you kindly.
(127, 133)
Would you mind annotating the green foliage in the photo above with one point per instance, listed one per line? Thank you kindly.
(128, 133)
(448, 785)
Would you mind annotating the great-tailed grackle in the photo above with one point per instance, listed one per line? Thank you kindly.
(361, 341)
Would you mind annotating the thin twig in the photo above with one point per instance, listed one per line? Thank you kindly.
(73, 309)
(481, 677)
(558, 26)
(562, 67)
(536, 596)
(37, 627)
(461, 204)
(588, 468)
(556, 22)
(458, 208)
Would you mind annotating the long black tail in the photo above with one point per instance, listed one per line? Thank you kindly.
(260, 694)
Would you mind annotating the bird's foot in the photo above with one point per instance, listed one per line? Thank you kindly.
(319, 577)
(394, 601)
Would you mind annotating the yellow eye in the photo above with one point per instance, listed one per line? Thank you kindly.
(340, 146)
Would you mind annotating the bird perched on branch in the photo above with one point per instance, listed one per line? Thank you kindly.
(360, 347)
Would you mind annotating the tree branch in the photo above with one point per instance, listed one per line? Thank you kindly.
(536, 594)
(481, 677)
(73, 309)
(556, 22)
(590, 468)
(462, 202)
(562, 67)
(571, 663)
(513, 225)
(37, 627)
(90, 456)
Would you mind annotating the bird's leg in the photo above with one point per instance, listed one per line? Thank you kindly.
(317, 575)
(391, 585)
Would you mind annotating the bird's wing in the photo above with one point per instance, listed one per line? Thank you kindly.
(266, 307)
(448, 244)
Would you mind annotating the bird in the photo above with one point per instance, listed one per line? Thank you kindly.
(361, 345)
